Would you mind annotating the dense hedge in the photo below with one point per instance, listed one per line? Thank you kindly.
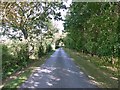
(92, 29)
(15, 57)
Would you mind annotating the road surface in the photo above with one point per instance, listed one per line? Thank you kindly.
(59, 71)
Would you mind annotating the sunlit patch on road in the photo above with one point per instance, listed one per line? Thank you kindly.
(58, 71)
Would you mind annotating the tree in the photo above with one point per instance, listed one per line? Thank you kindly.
(92, 28)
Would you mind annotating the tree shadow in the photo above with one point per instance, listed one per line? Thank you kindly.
(55, 77)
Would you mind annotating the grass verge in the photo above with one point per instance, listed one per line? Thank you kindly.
(104, 76)
(18, 78)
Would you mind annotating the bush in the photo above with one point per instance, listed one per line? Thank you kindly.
(49, 48)
(15, 57)
(40, 51)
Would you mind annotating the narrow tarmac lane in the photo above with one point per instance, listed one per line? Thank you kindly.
(59, 71)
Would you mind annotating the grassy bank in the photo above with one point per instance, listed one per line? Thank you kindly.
(19, 77)
(102, 74)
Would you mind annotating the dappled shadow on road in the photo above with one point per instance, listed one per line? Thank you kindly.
(50, 77)
(59, 71)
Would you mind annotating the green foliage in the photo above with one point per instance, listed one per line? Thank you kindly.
(92, 28)
(49, 48)
(29, 24)
(40, 51)
(14, 57)
(22, 55)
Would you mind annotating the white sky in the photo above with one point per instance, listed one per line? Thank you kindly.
(59, 24)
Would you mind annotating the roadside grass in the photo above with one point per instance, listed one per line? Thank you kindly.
(100, 73)
(18, 78)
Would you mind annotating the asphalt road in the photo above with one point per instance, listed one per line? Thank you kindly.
(59, 71)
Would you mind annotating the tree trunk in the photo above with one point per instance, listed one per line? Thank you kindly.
(27, 49)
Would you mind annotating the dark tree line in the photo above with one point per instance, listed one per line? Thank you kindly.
(93, 29)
